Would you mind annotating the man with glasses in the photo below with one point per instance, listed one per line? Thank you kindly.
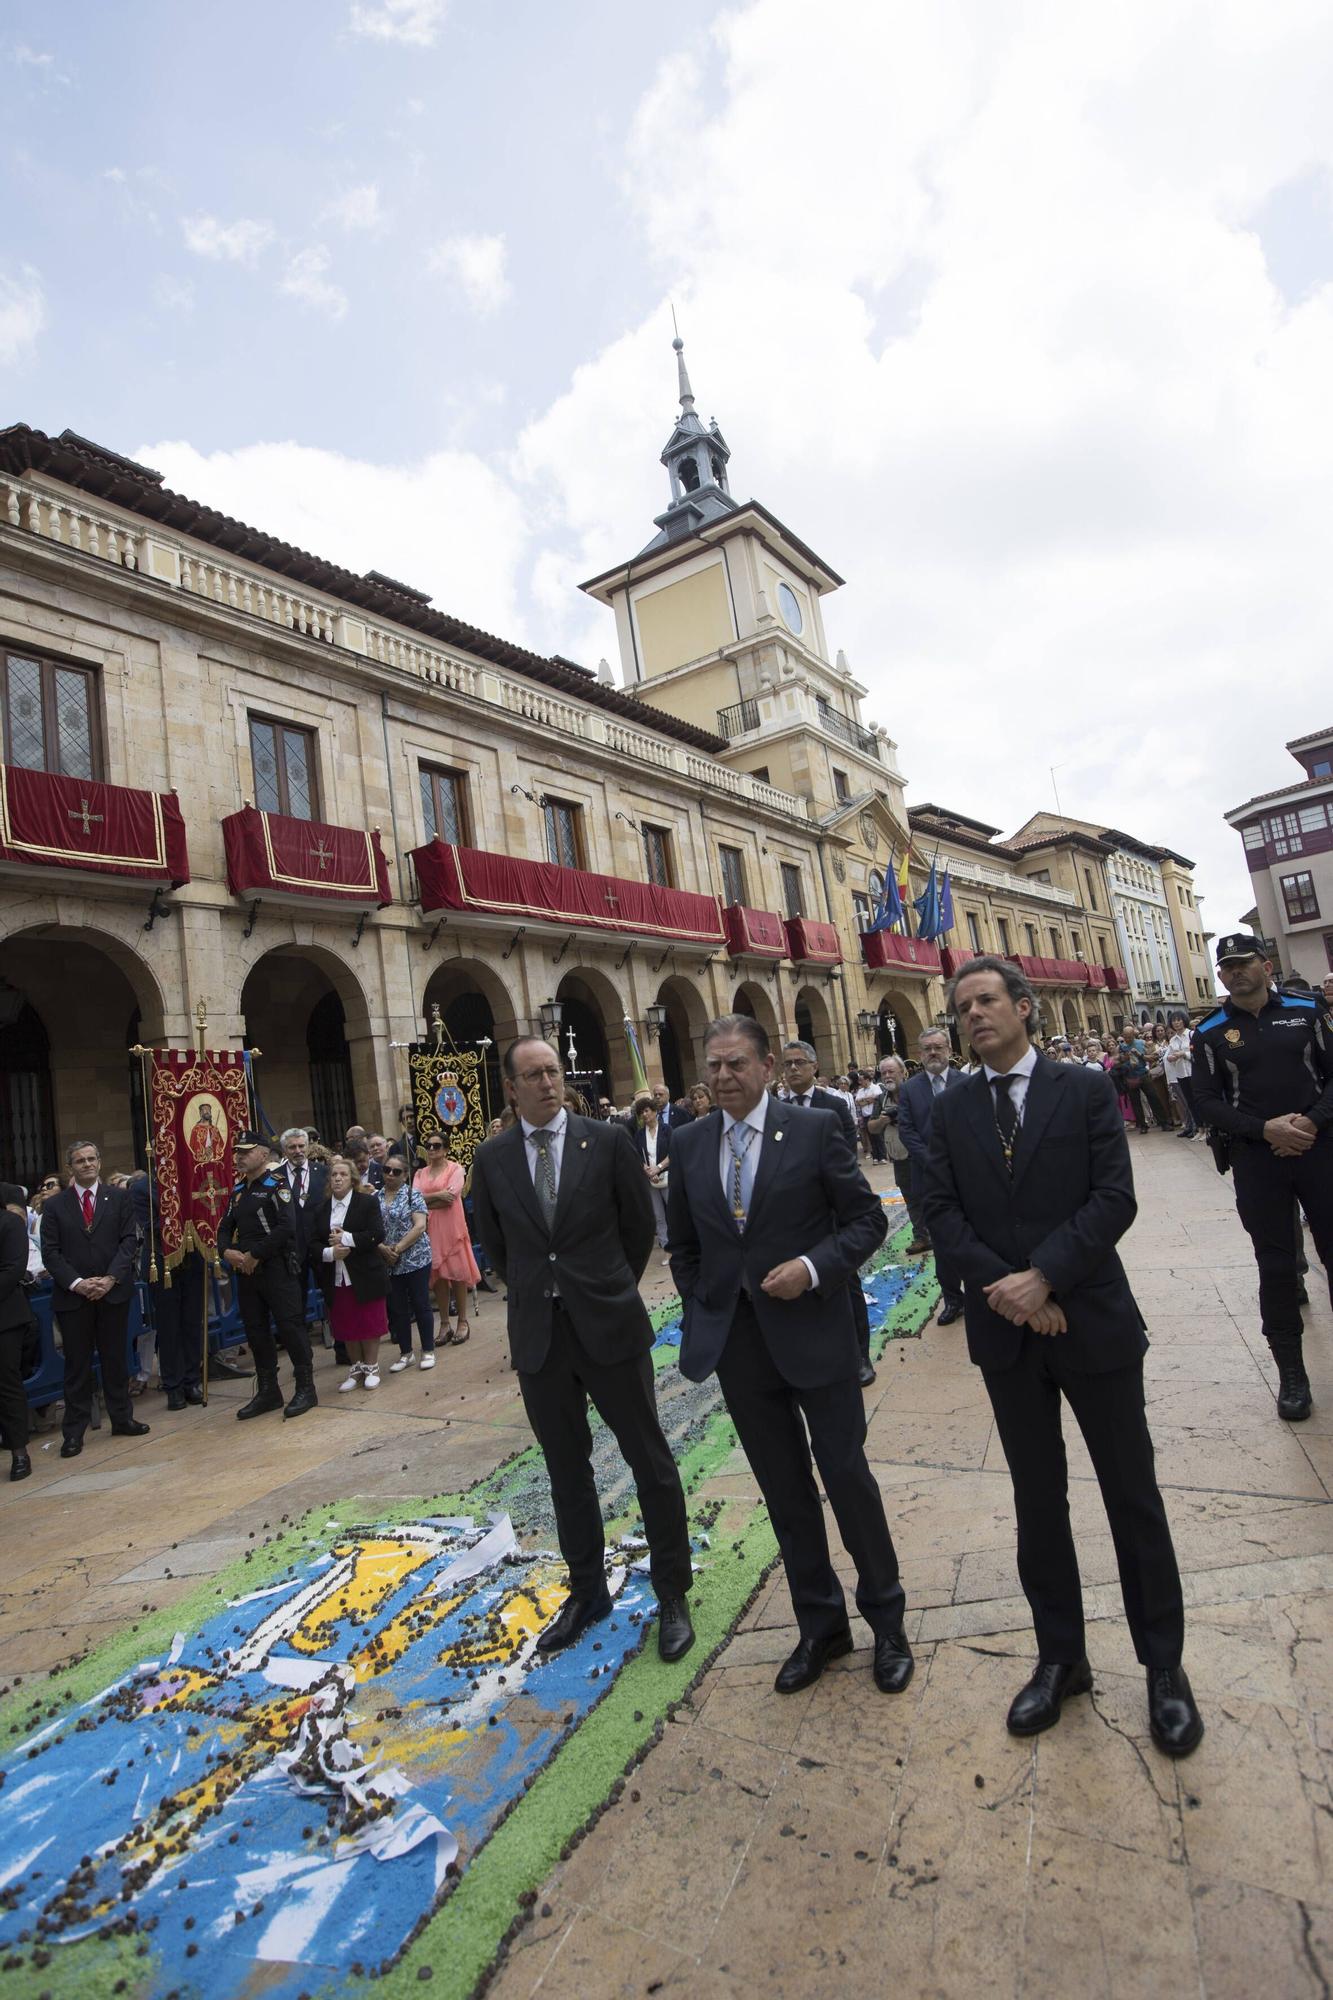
(562, 1208)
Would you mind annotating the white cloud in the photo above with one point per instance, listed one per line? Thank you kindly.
(476, 264)
(239, 242)
(414, 22)
(358, 208)
(22, 313)
(306, 278)
(448, 523)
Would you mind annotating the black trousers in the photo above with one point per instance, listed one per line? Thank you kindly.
(95, 1327)
(771, 1418)
(861, 1314)
(14, 1428)
(1267, 1189)
(556, 1398)
(911, 1186)
(273, 1291)
(410, 1299)
(178, 1315)
(1110, 1413)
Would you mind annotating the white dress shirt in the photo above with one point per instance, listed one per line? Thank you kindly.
(756, 1118)
(554, 1135)
(1021, 1072)
(337, 1216)
(298, 1180)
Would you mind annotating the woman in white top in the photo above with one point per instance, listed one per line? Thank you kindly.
(1179, 1066)
(652, 1141)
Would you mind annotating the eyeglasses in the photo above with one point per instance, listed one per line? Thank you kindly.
(393, 1173)
(434, 1145)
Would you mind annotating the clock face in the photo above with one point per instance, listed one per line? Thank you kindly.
(789, 604)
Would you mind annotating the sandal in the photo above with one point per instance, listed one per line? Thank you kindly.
(462, 1332)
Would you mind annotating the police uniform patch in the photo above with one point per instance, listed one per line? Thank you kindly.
(1232, 1035)
(283, 1194)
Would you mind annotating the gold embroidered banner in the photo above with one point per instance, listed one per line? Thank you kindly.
(196, 1106)
(449, 1092)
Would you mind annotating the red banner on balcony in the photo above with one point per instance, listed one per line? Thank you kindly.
(55, 822)
(1097, 976)
(1116, 979)
(952, 961)
(754, 933)
(809, 943)
(269, 854)
(469, 878)
(889, 951)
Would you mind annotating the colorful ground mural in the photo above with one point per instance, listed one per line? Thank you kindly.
(343, 1760)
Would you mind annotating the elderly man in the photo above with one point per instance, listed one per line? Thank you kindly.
(88, 1245)
(669, 1113)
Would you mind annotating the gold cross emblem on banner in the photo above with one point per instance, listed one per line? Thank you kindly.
(86, 814)
(322, 854)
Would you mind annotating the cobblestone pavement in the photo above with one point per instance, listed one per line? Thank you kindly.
(838, 1840)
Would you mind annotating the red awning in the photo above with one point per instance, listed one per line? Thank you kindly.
(522, 891)
(1097, 975)
(269, 854)
(889, 951)
(47, 821)
(953, 960)
(809, 943)
(753, 933)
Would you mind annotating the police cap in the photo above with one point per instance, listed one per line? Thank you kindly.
(244, 1140)
(1239, 944)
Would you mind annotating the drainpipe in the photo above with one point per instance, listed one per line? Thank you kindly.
(828, 906)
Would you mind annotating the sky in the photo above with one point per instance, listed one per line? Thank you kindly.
(1018, 311)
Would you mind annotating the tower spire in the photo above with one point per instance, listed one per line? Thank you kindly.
(686, 393)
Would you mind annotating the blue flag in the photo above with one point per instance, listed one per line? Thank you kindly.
(927, 907)
(946, 904)
(890, 912)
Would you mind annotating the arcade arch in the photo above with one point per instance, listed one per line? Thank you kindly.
(752, 999)
(306, 1012)
(814, 1024)
(681, 1043)
(476, 1007)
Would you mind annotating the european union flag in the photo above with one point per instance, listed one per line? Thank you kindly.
(946, 904)
(890, 912)
(927, 907)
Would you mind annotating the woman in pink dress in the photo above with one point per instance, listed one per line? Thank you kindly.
(453, 1268)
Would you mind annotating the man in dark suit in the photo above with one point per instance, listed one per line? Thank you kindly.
(916, 1117)
(769, 1219)
(798, 1086)
(1028, 1191)
(670, 1114)
(178, 1307)
(89, 1241)
(562, 1208)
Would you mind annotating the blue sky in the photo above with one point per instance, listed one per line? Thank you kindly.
(1020, 315)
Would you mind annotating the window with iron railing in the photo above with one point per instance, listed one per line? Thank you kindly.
(846, 730)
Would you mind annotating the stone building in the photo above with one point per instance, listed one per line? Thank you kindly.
(1288, 837)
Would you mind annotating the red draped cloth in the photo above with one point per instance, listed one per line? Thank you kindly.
(888, 948)
(56, 822)
(754, 933)
(268, 853)
(811, 943)
(469, 878)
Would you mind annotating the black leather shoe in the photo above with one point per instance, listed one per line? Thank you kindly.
(71, 1447)
(193, 1393)
(1037, 1706)
(22, 1466)
(175, 1399)
(675, 1634)
(133, 1429)
(1173, 1716)
(865, 1374)
(268, 1396)
(894, 1665)
(304, 1399)
(809, 1660)
(1294, 1401)
(948, 1316)
(222, 1371)
(916, 1249)
(576, 1614)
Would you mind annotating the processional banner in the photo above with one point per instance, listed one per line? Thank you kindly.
(449, 1091)
(197, 1105)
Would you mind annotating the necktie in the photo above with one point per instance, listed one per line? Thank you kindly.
(1006, 1117)
(937, 1085)
(544, 1179)
(739, 1192)
(804, 1101)
(87, 1208)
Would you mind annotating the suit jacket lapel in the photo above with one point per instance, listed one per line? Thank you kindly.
(1043, 1086)
(981, 1113)
(573, 1163)
(514, 1159)
(770, 1152)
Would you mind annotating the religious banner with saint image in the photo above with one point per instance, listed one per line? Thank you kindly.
(197, 1103)
(449, 1092)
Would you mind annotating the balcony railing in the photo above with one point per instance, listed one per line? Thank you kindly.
(513, 891)
(734, 721)
(889, 951)
(847, 731)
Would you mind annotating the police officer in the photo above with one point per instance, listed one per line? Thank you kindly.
(1263, 1074)
(257, 1238)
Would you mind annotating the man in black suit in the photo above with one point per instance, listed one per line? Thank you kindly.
(670, 1114)
(769, 1218)
(798, 1086)
(178, 1306)
(562, 1208)
(1028, 1191)
(916, 1117)
(89, 1241)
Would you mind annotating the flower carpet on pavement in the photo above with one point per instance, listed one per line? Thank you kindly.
(342, 1761)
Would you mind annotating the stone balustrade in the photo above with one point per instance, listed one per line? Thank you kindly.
(1013, 885)
(252, 593)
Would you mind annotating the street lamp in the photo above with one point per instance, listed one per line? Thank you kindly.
(654, 1020)
(552, 1014)
(867, 1022)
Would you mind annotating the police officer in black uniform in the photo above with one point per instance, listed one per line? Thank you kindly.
(1263, 1075)
(257, 1239)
